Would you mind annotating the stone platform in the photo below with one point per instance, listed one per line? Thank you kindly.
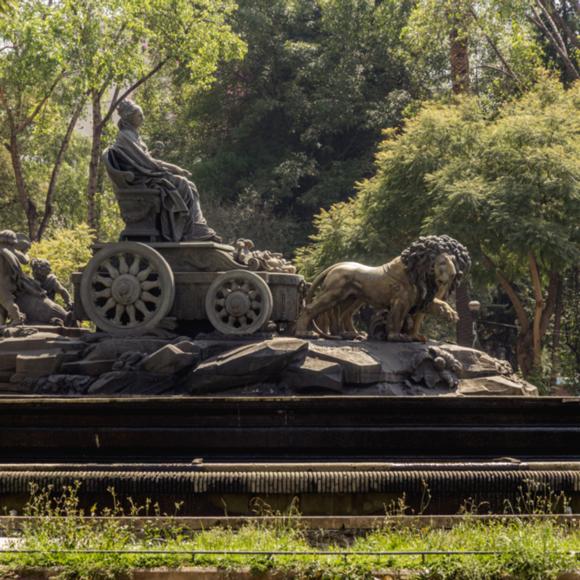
(71, 362)
(336, 454)
(346, 427)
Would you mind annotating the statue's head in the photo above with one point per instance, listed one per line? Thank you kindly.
(130, 114)
(22, 242)
(444, 270)
(435, 265)
(8, 238)
(40, 268)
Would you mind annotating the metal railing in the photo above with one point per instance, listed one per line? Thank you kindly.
(270, 554)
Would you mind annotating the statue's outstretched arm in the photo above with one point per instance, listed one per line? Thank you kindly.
(175, 169)
(60, 289)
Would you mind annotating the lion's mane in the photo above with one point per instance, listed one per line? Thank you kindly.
(419, 259)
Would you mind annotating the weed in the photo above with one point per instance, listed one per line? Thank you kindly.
(60, 527)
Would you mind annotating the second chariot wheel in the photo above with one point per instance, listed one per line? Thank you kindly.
(238, 302)
(127, 288)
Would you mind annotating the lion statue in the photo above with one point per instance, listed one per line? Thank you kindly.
(413, 285)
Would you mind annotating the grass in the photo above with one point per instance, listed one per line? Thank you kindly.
(529, 549)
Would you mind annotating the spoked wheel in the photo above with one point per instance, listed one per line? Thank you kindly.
(127, 288)
(238, 302)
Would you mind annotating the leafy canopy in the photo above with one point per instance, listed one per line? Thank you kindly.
(504, 185)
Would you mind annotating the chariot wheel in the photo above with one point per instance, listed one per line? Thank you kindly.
(238, 302)
(127, 288)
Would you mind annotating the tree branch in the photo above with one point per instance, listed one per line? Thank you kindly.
(28, 121)
(508, 69)
(537, 20)
(132, 88)
(551, 301)
(539, 307)
(569, 33)
(48, 209)
(555, 30)
(497, 69)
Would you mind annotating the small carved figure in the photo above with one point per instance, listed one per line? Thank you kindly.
(416, 283)
(260, 260)
(131, 166)
(22, 299)
(42, 273)
(435, 367)
(243, 250)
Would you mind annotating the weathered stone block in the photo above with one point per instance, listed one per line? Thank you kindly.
(38, 365)
(132, 383)
(112, 348)
(170, 359)
(360, 368)
(497, 386)
(314, 373)
(477, 363)
(41, 341)
(90, 368)
(246, 365)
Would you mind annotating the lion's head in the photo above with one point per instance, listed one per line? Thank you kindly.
(433, 263)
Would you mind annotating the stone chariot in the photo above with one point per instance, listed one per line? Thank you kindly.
(130, 287)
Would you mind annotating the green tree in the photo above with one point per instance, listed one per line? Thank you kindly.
(505, 185)
(67, 250)
(492, 46)
(39, 108)
(296, 122)
(55, 57)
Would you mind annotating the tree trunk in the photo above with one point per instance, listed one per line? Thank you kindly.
(459, 63)
(94, 163)
(28, 205)
(537, 333)
(459, 60)
(525, 352)
(48, 207)
(555, 370)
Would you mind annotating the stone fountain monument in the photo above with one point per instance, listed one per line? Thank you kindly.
(189, 369)
(176, 311)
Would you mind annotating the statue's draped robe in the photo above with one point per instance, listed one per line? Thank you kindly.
(10, 272)
(181, 215)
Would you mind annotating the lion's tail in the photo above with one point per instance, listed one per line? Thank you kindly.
(318, 281)
(312, 290)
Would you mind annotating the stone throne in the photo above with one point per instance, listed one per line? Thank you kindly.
(140, 206)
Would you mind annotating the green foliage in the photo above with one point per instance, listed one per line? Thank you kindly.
(67, 250)
(122, 42)
(504, 184)
(505, 48)
(527, 548)
(297, 121)
(55, 57)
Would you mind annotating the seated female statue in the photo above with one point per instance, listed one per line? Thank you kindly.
(181, 217)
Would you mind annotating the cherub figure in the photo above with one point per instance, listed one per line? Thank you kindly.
(22, 298)
(42, 273)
